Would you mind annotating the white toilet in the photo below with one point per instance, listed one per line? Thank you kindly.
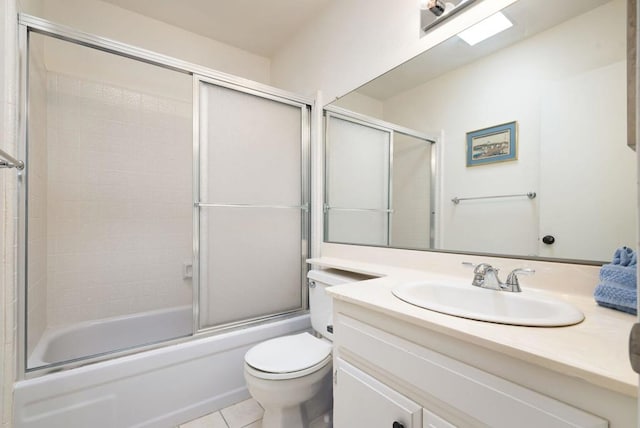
(290, 376)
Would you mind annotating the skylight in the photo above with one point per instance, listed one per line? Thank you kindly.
(485, 29)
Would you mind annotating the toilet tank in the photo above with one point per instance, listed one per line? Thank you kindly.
(320, 304)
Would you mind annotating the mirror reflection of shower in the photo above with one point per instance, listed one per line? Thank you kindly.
(109, 202)
(379, 182)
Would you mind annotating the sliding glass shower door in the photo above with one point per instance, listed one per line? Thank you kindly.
(154, 202)
(251, 206)
(107, 203)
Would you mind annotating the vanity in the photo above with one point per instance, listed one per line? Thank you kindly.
(399, 365)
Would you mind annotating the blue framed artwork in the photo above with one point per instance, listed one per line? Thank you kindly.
(496, 144)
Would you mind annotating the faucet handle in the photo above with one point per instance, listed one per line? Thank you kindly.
(480, 268)
(512, 279)
(479, 272)
(483, 268)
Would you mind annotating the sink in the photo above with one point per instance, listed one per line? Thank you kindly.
(466, 301)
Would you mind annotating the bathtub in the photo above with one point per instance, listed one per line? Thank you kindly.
(98, 337)
(162, 387)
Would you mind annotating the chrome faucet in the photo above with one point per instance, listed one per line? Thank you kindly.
(486, 276)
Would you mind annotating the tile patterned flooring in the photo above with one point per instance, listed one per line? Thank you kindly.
(246, 414)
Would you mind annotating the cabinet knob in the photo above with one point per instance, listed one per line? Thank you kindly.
(397, 424)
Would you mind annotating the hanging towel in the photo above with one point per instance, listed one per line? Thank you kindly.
(614, 296)
(619, 282)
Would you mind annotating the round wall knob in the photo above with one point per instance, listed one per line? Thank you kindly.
(397, 424)
(548, 239)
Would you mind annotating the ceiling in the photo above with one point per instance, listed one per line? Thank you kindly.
(259, 27)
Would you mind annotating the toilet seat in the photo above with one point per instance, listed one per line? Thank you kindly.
(288, 357)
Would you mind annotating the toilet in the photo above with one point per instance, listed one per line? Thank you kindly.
(291, 376)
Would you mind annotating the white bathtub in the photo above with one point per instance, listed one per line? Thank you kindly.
(158, 388)
(98, 337)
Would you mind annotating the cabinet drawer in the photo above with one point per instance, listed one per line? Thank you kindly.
(491, 400)
(362, 401)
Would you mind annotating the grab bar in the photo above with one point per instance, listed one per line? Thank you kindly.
(530, 195)
(10, 162)
(299, 207)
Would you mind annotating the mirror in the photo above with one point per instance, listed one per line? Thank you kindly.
(558, 76)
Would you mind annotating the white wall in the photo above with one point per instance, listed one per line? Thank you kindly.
(104, 19)
(354, 41)
(8, 212)
(362, 104)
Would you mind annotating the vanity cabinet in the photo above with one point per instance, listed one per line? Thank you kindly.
(381, 378)
(362, 401)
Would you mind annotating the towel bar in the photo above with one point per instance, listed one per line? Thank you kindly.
(10, 162)
(530, 195)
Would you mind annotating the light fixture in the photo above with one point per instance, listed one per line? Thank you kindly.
(486, 28)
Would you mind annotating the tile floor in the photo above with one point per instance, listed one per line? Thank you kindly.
(246, 414)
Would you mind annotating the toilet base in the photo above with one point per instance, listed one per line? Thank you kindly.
(304, 402)
(315, 413)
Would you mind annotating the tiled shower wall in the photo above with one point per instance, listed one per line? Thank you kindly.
(37, 218)
(8, 211)
(119, 200)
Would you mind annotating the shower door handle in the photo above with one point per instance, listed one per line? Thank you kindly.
(304, 207)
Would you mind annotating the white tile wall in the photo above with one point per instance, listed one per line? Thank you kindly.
(8, 213)
(37, 216)
(119, 224)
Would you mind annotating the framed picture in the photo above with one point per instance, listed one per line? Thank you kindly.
(496, 144)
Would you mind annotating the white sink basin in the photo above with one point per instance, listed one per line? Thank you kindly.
(467, 301)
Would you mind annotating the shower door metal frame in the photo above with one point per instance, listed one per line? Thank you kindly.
(30, 24)
(391, 128)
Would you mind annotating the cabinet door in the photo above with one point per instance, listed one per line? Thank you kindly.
(362, 401)
(431, 420)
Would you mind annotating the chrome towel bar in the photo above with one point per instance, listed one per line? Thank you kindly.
(10, 162)
(530, 195)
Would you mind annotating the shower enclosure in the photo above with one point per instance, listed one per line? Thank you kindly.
(160, 201)
(379, 182)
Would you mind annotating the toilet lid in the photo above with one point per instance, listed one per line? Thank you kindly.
(288, 353)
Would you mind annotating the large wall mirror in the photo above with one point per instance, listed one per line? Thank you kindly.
(558, 78)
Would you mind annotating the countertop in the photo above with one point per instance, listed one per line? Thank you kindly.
(594, 350)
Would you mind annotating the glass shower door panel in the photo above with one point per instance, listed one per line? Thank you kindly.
(357, 227)
(251, 265)
(251, 217)
(412, 197)
(109, 203)
(357, 193)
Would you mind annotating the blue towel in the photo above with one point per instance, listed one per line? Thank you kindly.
(619, 282)
(622, 275)
(625, 256)
(615, 296)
